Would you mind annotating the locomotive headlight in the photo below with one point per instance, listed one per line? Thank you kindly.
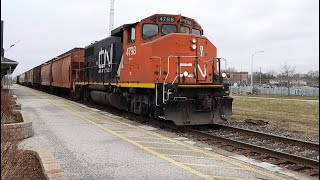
(193, 40)
(193, 46)
(185, 74)
(224, 75)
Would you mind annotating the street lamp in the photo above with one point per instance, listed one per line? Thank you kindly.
(11, 46)
(252, 69)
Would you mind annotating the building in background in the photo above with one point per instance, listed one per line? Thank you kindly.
(237, 78)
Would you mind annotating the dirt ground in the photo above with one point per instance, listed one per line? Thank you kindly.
(33, 168)
(295, 116)
(8, 115)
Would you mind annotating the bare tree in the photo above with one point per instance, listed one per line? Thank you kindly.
(272, 73)
(231, 69)
(312, 78)
(287, 72)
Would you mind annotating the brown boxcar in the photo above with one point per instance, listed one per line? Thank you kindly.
(29, 77)
(37, 75)
(64, 68)
(22, 78)
(46, 75)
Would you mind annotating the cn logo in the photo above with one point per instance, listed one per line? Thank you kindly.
(201, 51)
(104, 60)
(203, 72)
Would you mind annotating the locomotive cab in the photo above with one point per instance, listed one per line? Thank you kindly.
(165, 38)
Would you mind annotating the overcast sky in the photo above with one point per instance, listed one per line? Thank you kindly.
(286, 30)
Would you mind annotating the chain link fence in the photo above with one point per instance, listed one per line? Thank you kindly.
(294, 91)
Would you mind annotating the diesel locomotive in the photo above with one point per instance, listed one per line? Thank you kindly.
(162, 66)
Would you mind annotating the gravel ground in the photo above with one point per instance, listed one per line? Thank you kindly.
(272, 129)
(268, 143)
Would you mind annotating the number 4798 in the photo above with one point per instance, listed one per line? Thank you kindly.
(131, 51)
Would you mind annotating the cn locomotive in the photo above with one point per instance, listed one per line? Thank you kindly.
(161, 66)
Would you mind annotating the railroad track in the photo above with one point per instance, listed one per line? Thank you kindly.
(290, 153)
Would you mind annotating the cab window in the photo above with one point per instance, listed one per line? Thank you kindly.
(184, 29)
(149, 30)
(196, 31)
(169, 28)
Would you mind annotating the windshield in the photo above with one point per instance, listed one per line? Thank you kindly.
(196, 31)
(167, 29)
(184, 29)
(149, 30)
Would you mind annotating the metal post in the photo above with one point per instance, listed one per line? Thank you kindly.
(251, 83)
(252, 69)
(2, 50)
(196, 67)
(8, 79)
(213, 61)
(219, 65)
(111, 18)
(179, 69)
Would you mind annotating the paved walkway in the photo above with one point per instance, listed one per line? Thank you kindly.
(90, 144)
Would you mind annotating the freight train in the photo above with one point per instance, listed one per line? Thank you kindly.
(162, 66)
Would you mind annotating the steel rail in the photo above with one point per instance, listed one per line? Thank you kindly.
(286, 140)
(277, 154)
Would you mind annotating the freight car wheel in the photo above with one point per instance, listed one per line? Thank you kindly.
(77, 93)
(85, 93)
(51, 90)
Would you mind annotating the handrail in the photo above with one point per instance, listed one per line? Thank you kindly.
(92, 67)
(171, 56)
(160, 73)
(164, 82)
(212, 59)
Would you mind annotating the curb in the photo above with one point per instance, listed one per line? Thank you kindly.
(20, 130)
(50, 166)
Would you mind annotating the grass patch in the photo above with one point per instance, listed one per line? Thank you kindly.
(280, 96)
(298, 116)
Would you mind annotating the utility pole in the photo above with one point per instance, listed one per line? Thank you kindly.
(111, 17)
(240, 74)
(252, 69)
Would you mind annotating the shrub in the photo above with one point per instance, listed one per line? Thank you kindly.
(7, 115)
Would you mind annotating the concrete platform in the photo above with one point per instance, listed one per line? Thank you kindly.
(90, 144)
